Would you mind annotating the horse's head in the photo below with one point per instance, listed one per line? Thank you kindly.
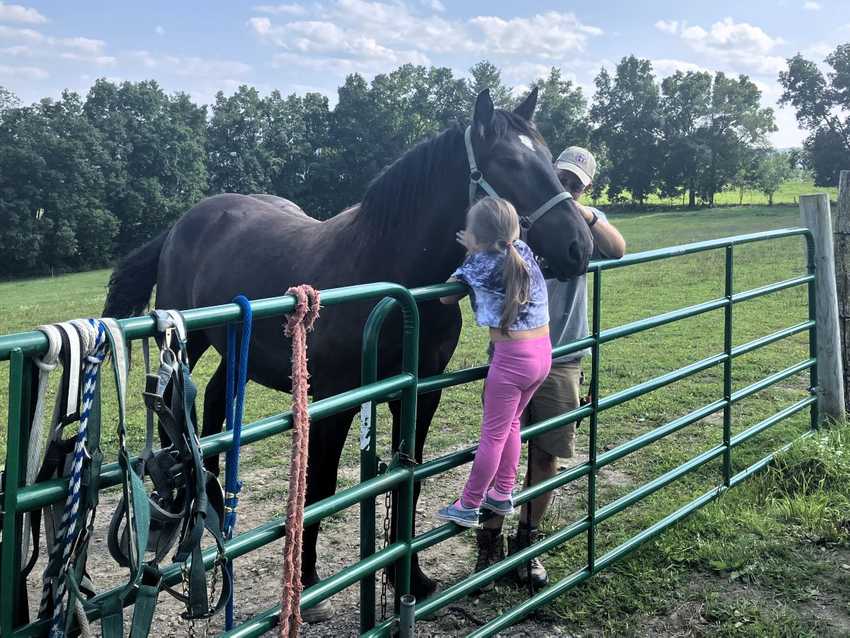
(513, 160)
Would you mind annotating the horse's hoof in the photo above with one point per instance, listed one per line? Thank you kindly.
(318, 613)
(423, 587)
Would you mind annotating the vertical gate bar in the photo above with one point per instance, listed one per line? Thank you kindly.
(407, 448)
(594, 415)
(369, 455)
(813, 331)
(727, 369)
(16, 444)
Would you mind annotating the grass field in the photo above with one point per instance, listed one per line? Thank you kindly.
(788, 193)
(771, 558)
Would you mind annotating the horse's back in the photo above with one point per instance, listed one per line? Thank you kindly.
(223, 240)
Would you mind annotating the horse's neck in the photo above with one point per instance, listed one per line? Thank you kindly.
(414, 249)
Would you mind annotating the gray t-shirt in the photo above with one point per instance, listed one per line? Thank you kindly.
(568, 311)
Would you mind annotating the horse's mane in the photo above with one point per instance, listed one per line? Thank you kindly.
(401, 188)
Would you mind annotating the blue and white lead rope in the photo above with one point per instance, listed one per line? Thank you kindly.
(93, 338)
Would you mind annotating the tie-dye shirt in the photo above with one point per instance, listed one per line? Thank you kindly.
(483, 273)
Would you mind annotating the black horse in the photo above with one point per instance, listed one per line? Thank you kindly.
(403, 231)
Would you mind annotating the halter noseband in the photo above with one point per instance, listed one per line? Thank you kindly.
(476, 181)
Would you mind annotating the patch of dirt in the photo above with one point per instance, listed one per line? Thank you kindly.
(258, 573)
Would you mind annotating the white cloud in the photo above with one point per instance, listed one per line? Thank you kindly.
(189, 66)
(99, 60)
(664, 67)
(84, 45)
(23, 72)
(547, 35)
(368, 36)
(19, 50)
(812, 6)
(21, 35)
(159, 29)
(741, 46)
(19, 13)
(668, 26)
(293, 9)
(818, 50)
(521, 74)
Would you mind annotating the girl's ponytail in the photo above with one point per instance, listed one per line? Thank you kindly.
(517, 283)
(494, 222)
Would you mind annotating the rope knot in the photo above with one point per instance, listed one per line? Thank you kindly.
(307, 305)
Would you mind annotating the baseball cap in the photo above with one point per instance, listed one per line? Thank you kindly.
(579, 161)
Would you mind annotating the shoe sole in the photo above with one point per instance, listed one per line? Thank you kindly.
(496, 510)
(459, 521)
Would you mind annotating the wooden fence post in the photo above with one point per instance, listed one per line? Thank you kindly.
(842, 274)
(815, 215)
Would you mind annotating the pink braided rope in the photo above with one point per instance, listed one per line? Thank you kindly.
(298, 324)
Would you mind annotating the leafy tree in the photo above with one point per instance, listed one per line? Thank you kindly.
(820, 103)
(826, 155)
(685, 107)
(156, 144)
(772, 170)
(486, 75)
(736, 127)
(238, 160)
(626, 113)
(52, 189)
(561, 114)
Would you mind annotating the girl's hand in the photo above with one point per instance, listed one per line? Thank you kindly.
(460, 237)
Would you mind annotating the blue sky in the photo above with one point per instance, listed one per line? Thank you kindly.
(306, 45)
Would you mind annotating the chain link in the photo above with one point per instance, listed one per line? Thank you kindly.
(184, 582)
(384, 578)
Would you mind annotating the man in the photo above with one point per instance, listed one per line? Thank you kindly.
(561, 391)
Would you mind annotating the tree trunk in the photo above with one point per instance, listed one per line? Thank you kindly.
(741, 196)
(692, 198)
(770, 199)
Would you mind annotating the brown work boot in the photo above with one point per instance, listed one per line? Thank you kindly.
(526, 536)
(491, 549)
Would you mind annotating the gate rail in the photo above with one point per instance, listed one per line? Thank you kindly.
(401, 476)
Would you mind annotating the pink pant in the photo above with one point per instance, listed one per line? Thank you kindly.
(516, 371)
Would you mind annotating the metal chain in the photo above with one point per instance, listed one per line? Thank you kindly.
(213, 584)
(387, 514)
(184, 582)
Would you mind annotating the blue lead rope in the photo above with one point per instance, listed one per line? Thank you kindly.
(237, 377)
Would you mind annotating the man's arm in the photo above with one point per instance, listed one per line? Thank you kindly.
(452, 298)
(609, 242)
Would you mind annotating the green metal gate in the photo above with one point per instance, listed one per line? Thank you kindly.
(401, 474)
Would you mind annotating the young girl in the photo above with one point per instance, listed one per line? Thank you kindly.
(508, 295)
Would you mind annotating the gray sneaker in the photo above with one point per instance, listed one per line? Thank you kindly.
(465, 517)
(500, 508)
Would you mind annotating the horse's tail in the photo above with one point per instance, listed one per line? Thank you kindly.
(133, 279)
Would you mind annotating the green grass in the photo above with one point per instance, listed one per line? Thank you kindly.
(759, 562)
(788, 193)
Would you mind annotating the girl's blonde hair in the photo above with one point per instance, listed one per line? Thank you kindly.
(495, 224)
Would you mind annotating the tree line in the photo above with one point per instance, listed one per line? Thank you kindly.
(86, 179)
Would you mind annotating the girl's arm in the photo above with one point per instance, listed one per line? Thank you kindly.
(453, 298)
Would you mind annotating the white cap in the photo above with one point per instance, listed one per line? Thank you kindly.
(579, 161)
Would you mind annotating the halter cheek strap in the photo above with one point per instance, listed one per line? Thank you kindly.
(476, 177)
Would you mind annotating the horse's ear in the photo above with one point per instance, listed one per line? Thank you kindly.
(526, 108)
(482, 117)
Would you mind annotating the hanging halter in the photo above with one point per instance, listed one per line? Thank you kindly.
(476, 181)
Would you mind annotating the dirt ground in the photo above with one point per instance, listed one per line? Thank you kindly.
(258, 573)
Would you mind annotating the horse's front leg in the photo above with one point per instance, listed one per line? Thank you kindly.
(421, 585)
(214, 409)
(327, 438)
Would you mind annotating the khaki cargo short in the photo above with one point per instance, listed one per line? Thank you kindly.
(559, 393)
